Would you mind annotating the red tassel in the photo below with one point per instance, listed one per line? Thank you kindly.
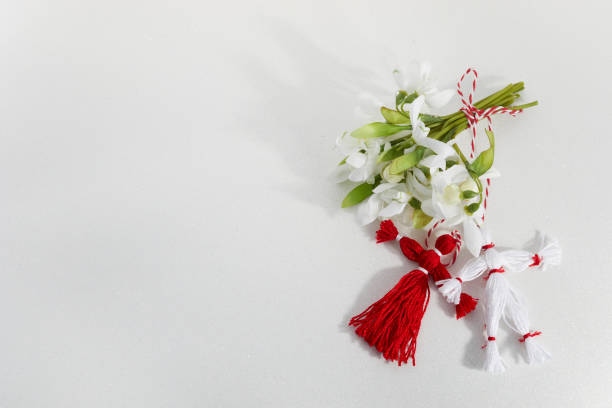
(466, 305)
(392, 324)
(387, 232)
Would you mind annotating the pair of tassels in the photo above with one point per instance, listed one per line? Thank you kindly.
(392, 324)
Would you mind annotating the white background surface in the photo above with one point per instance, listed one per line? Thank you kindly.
(170, 236)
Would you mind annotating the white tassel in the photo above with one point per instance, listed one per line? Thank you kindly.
(547, 249)
(535, 352)
(496, 294)
(516, 260)
(493, 361)
(516, 317)
(451, 288)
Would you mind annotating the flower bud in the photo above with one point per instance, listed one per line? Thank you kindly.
(391, 178)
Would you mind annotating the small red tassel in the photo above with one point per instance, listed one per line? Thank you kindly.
(387, 232)
(466, 305)
(392, 324)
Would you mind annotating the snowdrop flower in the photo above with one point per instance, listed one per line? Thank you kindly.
(361, 158)
(446, 202)
(443, 151)
(424, 85)
(387, 200)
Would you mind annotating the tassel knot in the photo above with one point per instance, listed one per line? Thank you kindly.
(537, 259)
(496, 270)
(488, 246)
(528, 335)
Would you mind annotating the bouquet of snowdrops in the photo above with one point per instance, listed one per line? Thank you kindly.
(409, 167)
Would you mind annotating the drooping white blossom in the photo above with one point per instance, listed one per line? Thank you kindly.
(361, 158)
(424, 84)
(387, 200)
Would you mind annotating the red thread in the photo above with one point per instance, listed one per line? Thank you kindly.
(537, 259)
(490, 338)
(527, 335)
(459, 279)
(496, 270)
(488, 246)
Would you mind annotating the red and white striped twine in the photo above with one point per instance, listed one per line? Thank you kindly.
(474, 115)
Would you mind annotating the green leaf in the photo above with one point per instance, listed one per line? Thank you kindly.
(402, 98)
(472, 208)
(415, 203)
(429, 119)
(357, 195)
(420, 219)
(378, 129)
(390, 154)
(406, 161)
(467, 194)
(425, 171)
(394, 117)
(451, 163)
(484, 161)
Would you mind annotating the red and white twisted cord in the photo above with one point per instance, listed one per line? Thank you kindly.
(474, 115)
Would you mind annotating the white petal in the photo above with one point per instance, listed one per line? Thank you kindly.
(356, 159)
(424, 71)
(400, 80)
(491, 173)
(341, 173)
(383, 187)
(415, 110)
(393, 208)
(359, 175)
(434, 162)
(347, 144)
(428, 208)
(450, 211)
(439, 99)
(368, 210)
(417, 189)
(472, 236)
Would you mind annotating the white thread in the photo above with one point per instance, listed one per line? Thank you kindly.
(493, 361)
(423, 270)
(451, 288)
(437, 251)
(547, 248)
(495, 297)
(535, 352)
(398, 237)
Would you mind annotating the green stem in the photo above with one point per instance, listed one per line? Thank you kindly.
(524, 106)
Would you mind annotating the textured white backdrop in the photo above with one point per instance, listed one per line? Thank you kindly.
(170, 237)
